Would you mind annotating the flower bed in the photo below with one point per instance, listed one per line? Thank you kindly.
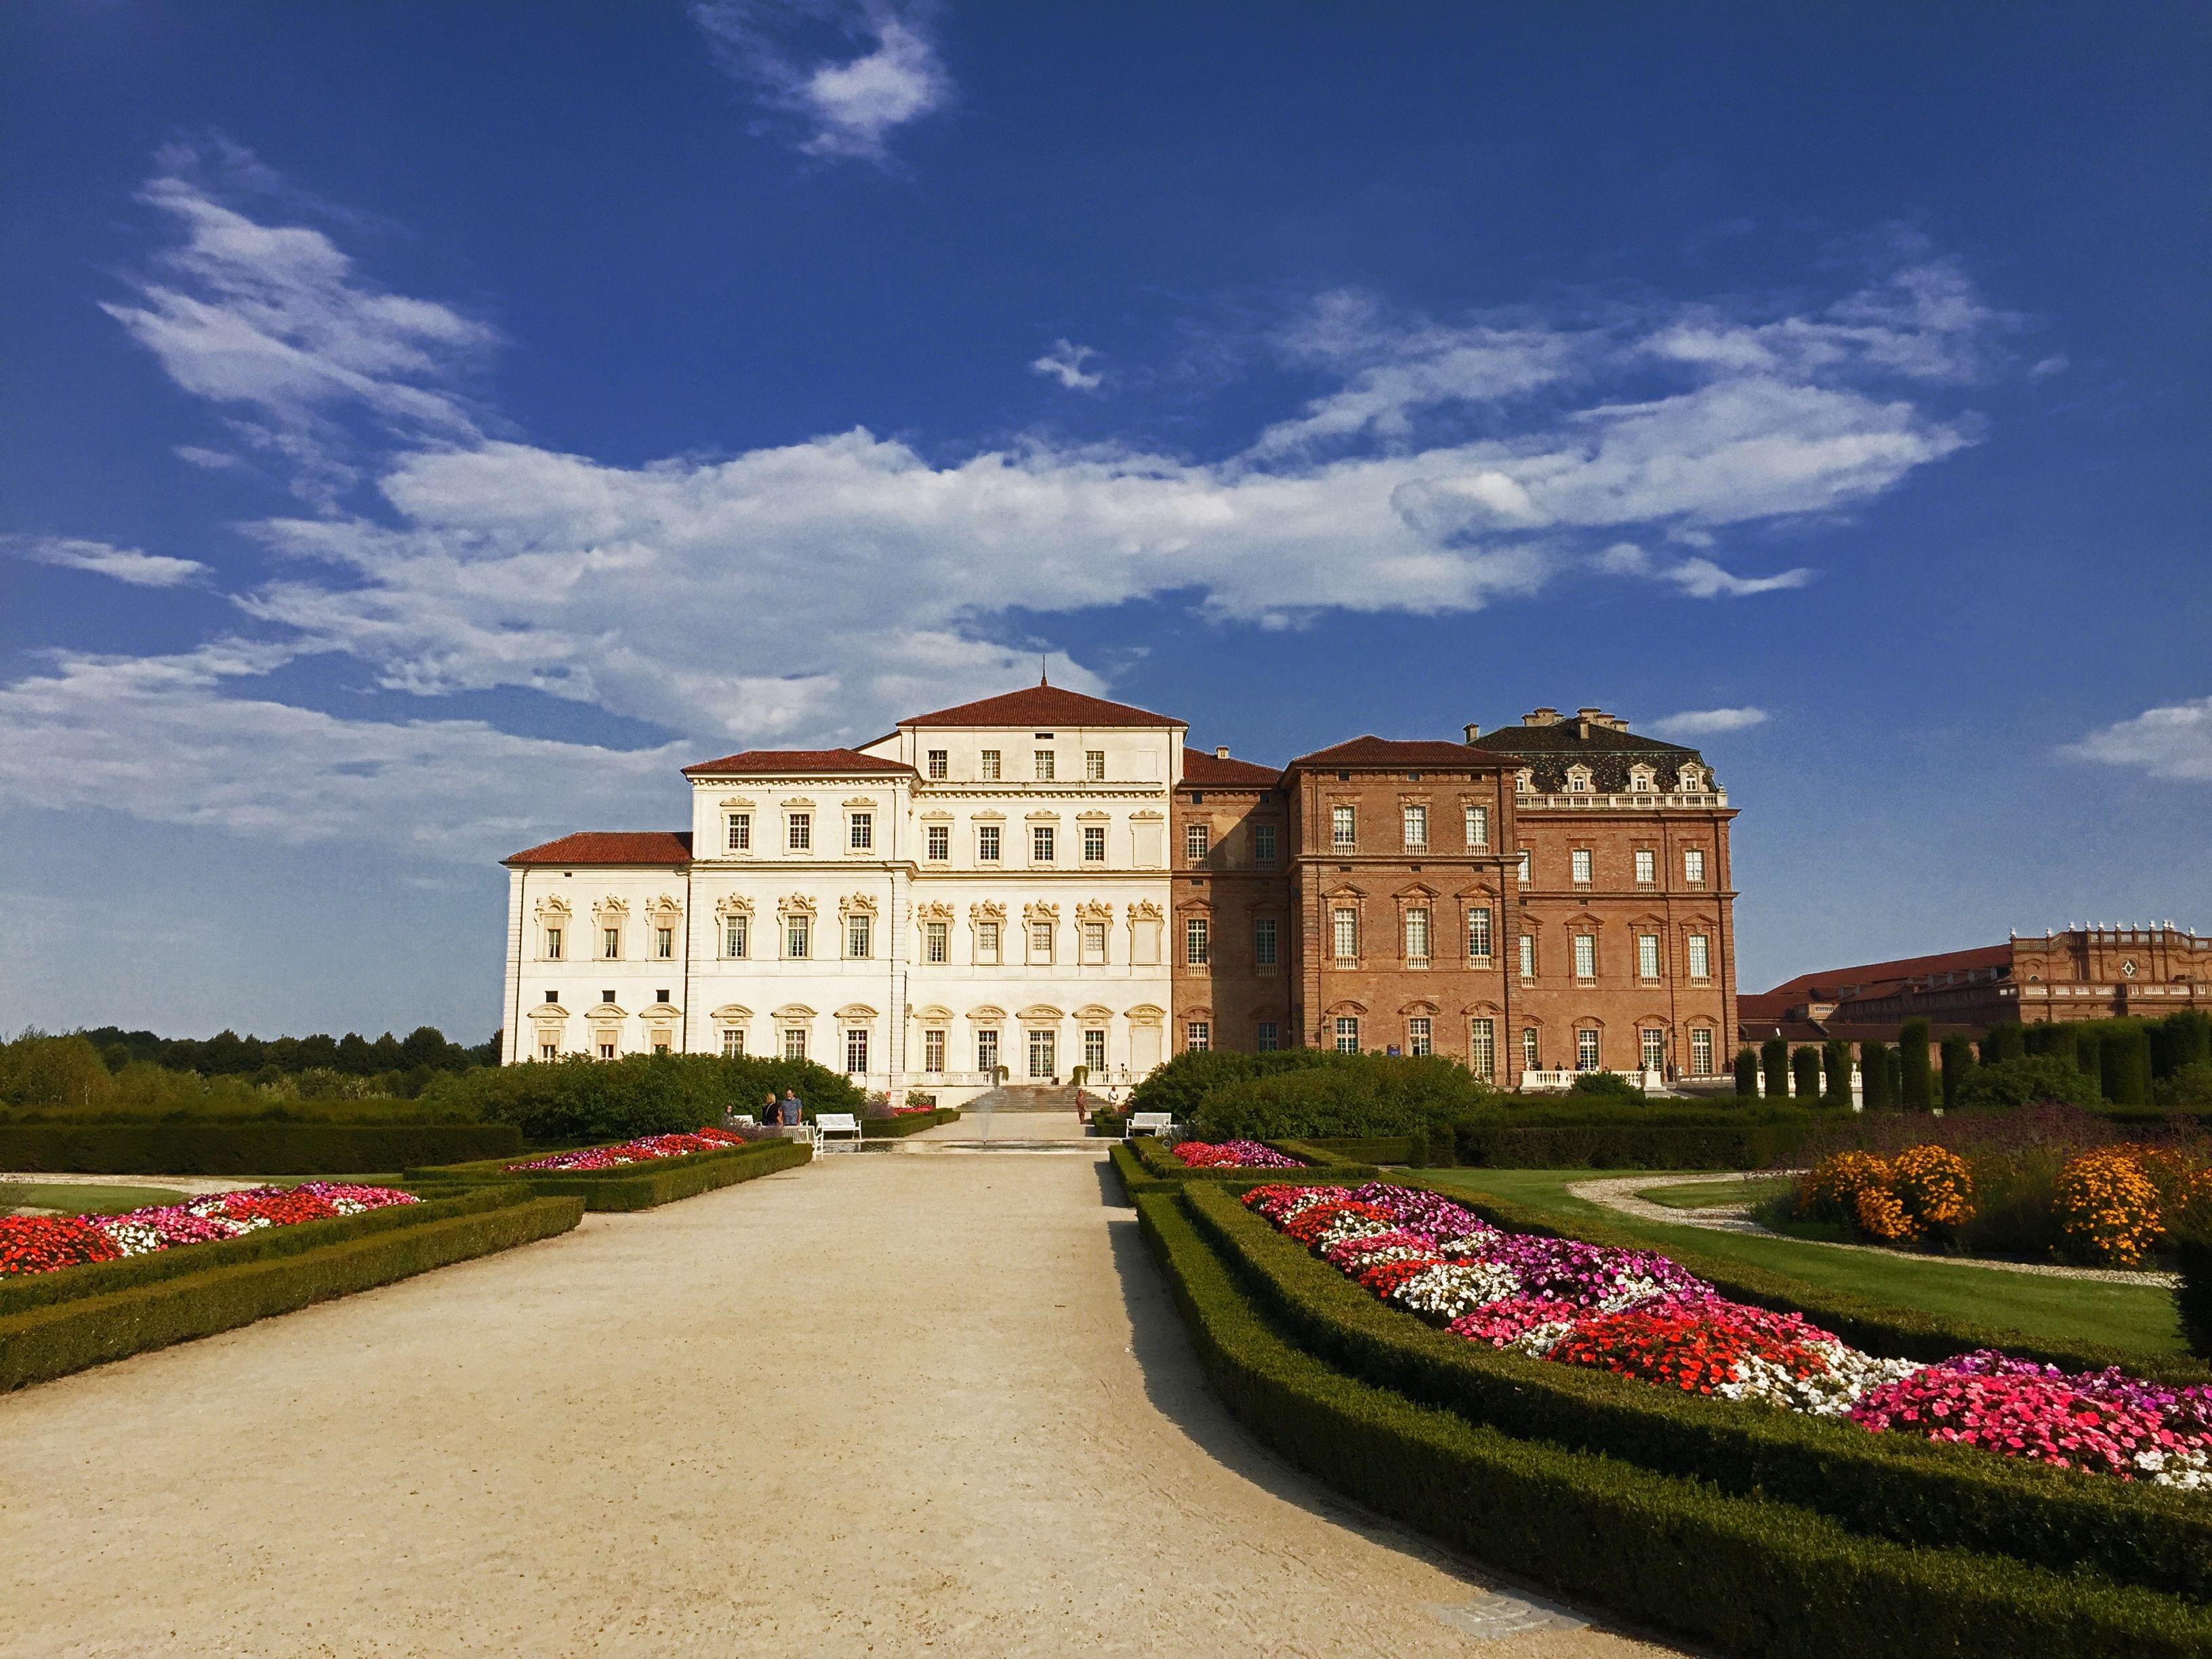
(1638, 1314)
(644, 1149)
(1231, 1155)
(39, 1244)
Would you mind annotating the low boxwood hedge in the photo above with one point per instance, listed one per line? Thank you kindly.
(1748, 1574)
(1367, 1149)
(907, 1123)
(51, 1324)
(201, 1147)
(1638, 1138)
(1877, 1327)
(635, 1185)
(1893, 1486)
(1162, 1164)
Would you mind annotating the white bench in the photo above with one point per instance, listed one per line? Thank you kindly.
(841, 1125)
(1151, 1123)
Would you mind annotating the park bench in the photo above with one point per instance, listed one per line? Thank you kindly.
(841, 1125)
(1151, 1123)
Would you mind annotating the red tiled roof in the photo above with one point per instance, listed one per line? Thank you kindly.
(1769, 1005)
(612, 846)
(772, 762)
(1043, 705)
(1207, 769)
(1887, 973)
(1395, 752)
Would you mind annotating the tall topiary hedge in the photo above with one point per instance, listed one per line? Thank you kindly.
(1746, 1074)
(1805, 1074)
(1874, 1077)
(1958, 1060)
(2007, 1040)
(2179, 1040)
(1917, 1078)
(2124, 1063)
(1774, 1063)
(1836, 1065)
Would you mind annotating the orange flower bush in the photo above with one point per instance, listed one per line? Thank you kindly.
(1830, 1190)
(1900, 1200)
(2107, 1208)
(1933, 1184)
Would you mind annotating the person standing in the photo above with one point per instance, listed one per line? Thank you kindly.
(791, 1110)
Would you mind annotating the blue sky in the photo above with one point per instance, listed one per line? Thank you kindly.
(425, 428)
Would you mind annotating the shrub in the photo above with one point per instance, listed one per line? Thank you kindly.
(1774, 1066)
(1958, 1062)
(2192, 1291)
(1805, 1074)
(2190, 1088)
(1874, 1077)
(191, 1146)
(1177, 1087)
(1917, 1092)
(2007, 1040)
(2028, 1080)
(2125, 1062)
(578, 1099)
(1604, 1085)
(635, 1186)
(2107, 1209)
(1835, 1070)
(1746, 1074)
(1367, 1095)
(2180, 1041)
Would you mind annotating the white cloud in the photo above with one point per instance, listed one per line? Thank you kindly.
(851, 72)
(1705, 722)
(123, 564)
(1064, 362)
(1699, 578)
(2172, 741)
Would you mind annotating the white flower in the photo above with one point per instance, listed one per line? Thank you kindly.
(1453, 1288)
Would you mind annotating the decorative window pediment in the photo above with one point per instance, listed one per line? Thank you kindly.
(793, 1013)
(1346, 1007)
(1524, 780)
(1641, 781)
(1416, 890)
(731, 1013)
(1090, 1013)
(1145, 1013)
(1421, 1006)
(1094, 910)
(798, 904)
(935, 1014)
(1144, 910)
(989, 910)
(1041, 1013)
(934, 910)
(1578, 779)
(665, 911)
(1039, 911)
(549, 1010)
(732, 905)
(552, 910)
(987, 1014)
(610, 912)
(856, 1013)
(856, 904)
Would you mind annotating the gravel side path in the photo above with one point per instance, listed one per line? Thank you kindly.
(879, 1406)
(1619, 1193)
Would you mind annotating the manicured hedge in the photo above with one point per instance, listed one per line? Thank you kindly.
(905, 1123)
(1892, 1485)
(51, 1324)
(1363, 1149)
(1749, 1575)
(1638, 1138)
(2192, 1291)
(1138, 1175)
(578, 1099)
(1877, 1327)
(199, 1146)
(637, 1186)
(1161, 1165)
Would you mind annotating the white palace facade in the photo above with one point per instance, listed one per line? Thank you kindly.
(987, 886)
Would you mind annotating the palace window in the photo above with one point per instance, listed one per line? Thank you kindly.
(1043, 1052)
(1263, 845)
(1585, 956)
(1094, 843)
(1693, 866)
(1647, 867)
(1478, 933)
(1416, 828)
(935, 942)
(1578, 779)
(938, 762)
(1482, 1049)
(1198, 1035)
(798, 832)
(932, 1051)
(1528, 956)
(1701, 1052)
(1651, 1044)
(987, 1052)
(1263, 942)
(1094, 1052)
(1041, 941)
(1647, 956)
(549, 1051)
(1526, 868)
(733, 1042)
(856, 1050)
(739, 826)
(733, 937)
(859, 938)
(1044, 763)
(1417, 935)
(1194, 839)
(1270, 1038)
(1343, 827)
(1040, 843)
(797, 937)
(664, 943)
(990, 766)
(1194, 941)
(987, 843)
(1581, 857)
(552, 945)
(1701, 962)
(860, 831)
(1477, 829)
(1345, 923)
(606, 1050)
(1418, 1041)
(1585, 1050)
(1347, 1034)
(794, 1042)
(1094, 765)
(1094, 942)
(1529, 1050)
(611, 944)
(937, 842)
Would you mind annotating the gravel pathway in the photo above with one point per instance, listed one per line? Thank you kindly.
(1619, 1193)
(878, 1405)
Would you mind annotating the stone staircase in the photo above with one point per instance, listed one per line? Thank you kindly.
(1028, 1097)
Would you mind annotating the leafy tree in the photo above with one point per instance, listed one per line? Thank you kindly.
(1874, 1076)
(2029, 1080)
(1916, 1080)
(1958, 1060)
(36, 1070)
(1774, 1062)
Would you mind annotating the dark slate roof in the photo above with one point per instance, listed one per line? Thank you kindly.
(1202, 768)
(1393, 752)
(774, 762)
(601, 847)
(1043, 705)
(1549, 750)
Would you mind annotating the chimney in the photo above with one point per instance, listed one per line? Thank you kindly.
(1590, 714)
(1472, 731)
(1221, 751)
(1540, 717)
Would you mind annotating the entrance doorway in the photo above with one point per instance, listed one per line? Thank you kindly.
(1044, 1048)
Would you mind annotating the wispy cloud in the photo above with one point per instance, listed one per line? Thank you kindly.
(1698, 577)
(848, 73)
(122, 564)
(1706, 722)
(2173, 740)
(1064, 363)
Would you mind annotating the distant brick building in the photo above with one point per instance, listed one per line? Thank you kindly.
(2086, 973)
(1550, 897)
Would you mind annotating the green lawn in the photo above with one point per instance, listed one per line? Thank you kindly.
(73, 1200)
(1711, 1194)
(2137, 1316)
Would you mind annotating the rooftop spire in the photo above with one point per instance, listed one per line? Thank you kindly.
(1041, 662)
